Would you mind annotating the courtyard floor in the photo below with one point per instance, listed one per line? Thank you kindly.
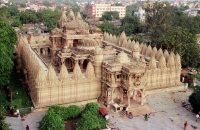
(169, 115)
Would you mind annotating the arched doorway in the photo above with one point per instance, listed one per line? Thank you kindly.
(75, 42)
(85, 63)
(69, 63)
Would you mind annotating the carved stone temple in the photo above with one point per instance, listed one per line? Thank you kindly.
(76, 63)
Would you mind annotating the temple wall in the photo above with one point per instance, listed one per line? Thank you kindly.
(160, 78)
(69, 92)
(44, 92)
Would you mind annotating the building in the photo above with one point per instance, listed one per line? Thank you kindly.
(140, 14)
(97, 10)
(76, 64)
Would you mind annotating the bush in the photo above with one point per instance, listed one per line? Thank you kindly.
(52, 121)
(91, 107)
(66, 112)
(194, 99)
(90, 121)
(73, 111)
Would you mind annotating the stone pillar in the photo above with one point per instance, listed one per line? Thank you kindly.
(122, 94)
(128, 98)
(43, 51)
(81, 64)
(38, 51)
(142, 97)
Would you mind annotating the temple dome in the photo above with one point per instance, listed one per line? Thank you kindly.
(122, 57)
(88, 42)
(76, 24)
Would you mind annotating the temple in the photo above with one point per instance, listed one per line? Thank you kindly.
(76, 63)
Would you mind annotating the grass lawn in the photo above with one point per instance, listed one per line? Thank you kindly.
(20, 96)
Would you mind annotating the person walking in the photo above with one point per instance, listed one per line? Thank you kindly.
(146, 117)
(197, 116)
(185, 125)
(27, 127)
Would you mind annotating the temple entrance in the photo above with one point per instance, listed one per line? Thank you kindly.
(75, 42)
(85, 62)
(69, 63)
(49, 51)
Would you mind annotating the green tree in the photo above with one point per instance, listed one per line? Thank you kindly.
(109, 27)
(46, 3)
(51, 121)
(49, 18)
(194, 99)
(110, 16)
(90, 121)
(132, 8)
(3, 124)
(157, 17)
(8, 39)
(66, 112)
(22, 5)
(180, 40)
(91, 107)
(138, 37)
(131, 25)
(28, 16)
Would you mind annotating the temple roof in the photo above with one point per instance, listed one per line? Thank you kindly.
(88, 42)
(76, 24)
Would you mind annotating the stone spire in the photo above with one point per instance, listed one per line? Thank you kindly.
(64, 75)
(41, 77)
(124, 43)
(152, 63)
(78, 16)
(89, 71)
(166, 54)
(77, 74)
(141, 47)
(177, 61)
(71, 15)
(51, 74)
(159, 54)
(148, 51)
(63, 18)
(162, 62)
(170, 61)
(122, 37)
(144, 49)
(154, 51)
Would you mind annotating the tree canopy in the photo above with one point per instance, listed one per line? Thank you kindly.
(52, 121)
(8, 39)
(110, 16)
(3, 124)
(169, 28)
(90, 118)
(194, 99)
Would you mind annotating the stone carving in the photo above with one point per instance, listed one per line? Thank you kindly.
(84, 74)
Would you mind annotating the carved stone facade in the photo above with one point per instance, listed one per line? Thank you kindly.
(81, 69)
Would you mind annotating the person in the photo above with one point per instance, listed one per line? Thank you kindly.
(27, 127)
(197, 116)
(146, 117)
(185, 125)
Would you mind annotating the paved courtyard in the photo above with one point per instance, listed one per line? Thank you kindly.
(169, 115)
